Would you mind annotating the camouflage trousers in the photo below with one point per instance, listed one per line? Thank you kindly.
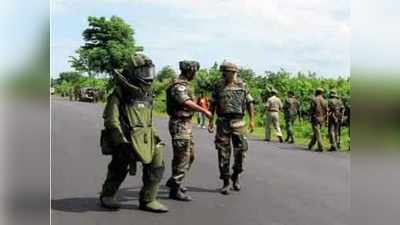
(272, 121)
(289, 120)
(229, 135)
(316, 138)
(334, 134)
(183, 148)
(118, 170)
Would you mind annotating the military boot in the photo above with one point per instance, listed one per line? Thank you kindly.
(235, 182)
(148, 201)
(153, 206)
(280, 139)
(225, 187)
(177, 194)
(170, 184)
(109, 202)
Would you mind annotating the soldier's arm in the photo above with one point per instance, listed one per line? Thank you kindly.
(212, 108)
(112, 122)
(280, 105)
(250, 110)
(192, 105)
(298, 109)
(182, 97)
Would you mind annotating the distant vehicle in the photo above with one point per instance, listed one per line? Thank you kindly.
(88, 94)
(52, 90)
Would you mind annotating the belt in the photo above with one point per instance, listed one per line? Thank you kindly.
(181, 118)
(230, 116)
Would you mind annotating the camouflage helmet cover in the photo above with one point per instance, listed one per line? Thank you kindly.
(228, 66)
(320, 90)
(187, 65)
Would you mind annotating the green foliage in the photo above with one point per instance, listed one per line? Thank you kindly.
(72, 77)
(206, 78)
(166, 73)
(108, 44)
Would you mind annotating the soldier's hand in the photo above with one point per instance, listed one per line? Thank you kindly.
(211, 127)
(208, 114)
(251, 126)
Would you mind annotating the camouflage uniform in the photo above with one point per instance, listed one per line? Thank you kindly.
(318, 112)
(336, 111)
(273, 107)
(130, 134)
(180, 128)
(230, 103)
(291, 109)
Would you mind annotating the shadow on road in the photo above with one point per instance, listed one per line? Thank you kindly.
(86, 204)
(81, 205)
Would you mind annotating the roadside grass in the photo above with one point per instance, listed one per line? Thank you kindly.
(302, 131)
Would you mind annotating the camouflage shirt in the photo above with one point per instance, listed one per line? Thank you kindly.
(178, 92)
(336, 108)
(291, 107)
(232, 99)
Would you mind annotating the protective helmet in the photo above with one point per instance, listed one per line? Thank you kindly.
(228, 66)
(333, 93)
(187, 65)
(139, 69)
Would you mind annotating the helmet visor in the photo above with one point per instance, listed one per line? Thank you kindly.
(146, 73)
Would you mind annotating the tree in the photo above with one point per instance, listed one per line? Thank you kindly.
(166, 73)
(71, 77)
(108, 44)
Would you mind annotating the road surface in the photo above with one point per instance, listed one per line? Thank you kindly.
(282, 184)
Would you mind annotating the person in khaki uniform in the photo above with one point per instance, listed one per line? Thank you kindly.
(335, 119)
(272, 107)
(318, 115)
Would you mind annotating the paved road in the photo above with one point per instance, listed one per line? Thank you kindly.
(282, 185)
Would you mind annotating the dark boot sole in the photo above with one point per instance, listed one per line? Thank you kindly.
(108, 206)
(144, 208)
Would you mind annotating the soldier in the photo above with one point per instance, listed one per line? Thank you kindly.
(70, 93)
(77, 92)
(291, 109)
(335, 119)
(181, 107)
(318, 114)
(230, 100)
(272, 108)
(130, 133)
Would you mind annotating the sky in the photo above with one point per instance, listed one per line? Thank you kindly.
(296, 35)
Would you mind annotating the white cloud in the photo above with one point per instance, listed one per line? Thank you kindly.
(312, 34)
